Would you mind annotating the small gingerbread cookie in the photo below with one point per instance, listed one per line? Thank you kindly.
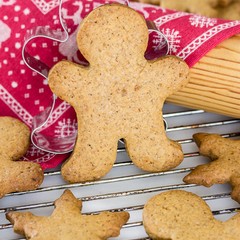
(16, 175)
(67, 222)
(181, 215)
(225, 165)
(203, 7)
(227, 9)
(120, 95)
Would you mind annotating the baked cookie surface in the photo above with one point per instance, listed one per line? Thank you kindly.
(119, 95)
(203, 7)
(67, 222)
(227, 9)
(181, 215)
(15, 175)
(224, 166)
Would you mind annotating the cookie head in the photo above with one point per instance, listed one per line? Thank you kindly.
(101, 42)
(181, 215)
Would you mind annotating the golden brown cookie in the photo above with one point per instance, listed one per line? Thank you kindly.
(120, 95)
(67, 222)
(154, 2)
(203, 7)
(181, 215)
(230, 12)
(227, 9)
(224, 3)
(225, 165)
(16, 176)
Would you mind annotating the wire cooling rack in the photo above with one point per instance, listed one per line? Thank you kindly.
(128, 188)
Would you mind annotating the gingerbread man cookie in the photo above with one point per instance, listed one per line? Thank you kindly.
(225, 165)
(16, 175)
(67, 222)
(181, 215)
(120, 95)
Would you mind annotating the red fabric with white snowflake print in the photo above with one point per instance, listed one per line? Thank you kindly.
(23, 93)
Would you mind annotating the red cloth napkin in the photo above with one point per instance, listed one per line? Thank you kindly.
(23, 93)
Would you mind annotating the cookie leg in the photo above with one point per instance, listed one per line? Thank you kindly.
(235, 182)
(153, 151)
(19, 176)
(93, 156)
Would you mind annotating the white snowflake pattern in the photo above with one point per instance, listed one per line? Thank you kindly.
(36, 155)
(159, 42)
(66, 127)
(35, 152)
(174, 39)
(202, 21)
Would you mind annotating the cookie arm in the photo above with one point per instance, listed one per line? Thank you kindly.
(65, 79)
(212, 145)
(20, 220)
(109, 223)
(170, 73)
(216, 172)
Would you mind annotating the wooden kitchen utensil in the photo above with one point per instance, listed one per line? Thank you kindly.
(214, 83)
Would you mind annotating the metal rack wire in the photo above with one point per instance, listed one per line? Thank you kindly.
(128, 188)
